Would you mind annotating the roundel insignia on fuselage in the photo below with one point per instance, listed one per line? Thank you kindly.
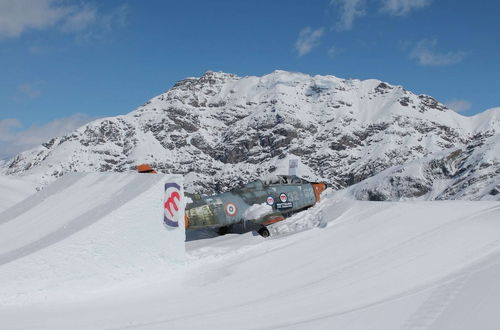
(231, 209)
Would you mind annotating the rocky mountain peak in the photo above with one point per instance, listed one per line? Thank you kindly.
(221, 129)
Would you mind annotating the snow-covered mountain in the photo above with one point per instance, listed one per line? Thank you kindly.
(220, 129)
(471, 172)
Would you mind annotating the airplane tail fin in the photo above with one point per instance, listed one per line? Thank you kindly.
(318, 189)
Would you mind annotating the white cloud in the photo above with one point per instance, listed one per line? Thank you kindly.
(104, 24)
(6, 126)
(425, 54)
(350, 10)
(29, 90)
(17, 16)
(333, 51)
(460, 106)
(308, 39)
(20, 16)
(117, 17)
(402, 7)
(79, 19)
(14, 139)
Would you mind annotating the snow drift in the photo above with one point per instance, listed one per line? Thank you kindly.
(13, 189)
(342, 264)
(87, 233)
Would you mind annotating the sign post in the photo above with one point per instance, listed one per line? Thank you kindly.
(293, 164)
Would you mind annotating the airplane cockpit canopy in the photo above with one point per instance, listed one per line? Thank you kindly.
(284, 179)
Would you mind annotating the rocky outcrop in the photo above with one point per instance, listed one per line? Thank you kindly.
(220, 130)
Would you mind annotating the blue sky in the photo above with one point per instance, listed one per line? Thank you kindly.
(66, 62)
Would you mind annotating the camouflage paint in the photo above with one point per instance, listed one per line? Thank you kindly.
(228, 208)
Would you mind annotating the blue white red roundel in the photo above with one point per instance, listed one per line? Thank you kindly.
(283, 197)
(270, 200)
(231, 209)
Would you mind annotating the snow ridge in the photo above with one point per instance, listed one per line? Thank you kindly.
(221, 129)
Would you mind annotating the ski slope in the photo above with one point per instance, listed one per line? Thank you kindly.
(85, 234)
(343, 264)
(14, 189)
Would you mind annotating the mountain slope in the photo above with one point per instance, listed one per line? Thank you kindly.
(14, 190)
(391, 265)
(468, 172)
(221, 129)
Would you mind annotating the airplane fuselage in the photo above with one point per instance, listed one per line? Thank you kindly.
(284, 196)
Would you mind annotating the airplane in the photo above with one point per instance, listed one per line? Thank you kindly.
(257, 204)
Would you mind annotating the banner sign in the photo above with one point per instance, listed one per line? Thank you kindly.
(293, 164)
(172, 205)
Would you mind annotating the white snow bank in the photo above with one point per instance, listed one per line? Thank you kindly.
(87, 233)
(14, 189)
(342, 264)
(256, 211)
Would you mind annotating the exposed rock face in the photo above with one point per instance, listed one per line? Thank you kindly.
(220, 130)
(468, 172)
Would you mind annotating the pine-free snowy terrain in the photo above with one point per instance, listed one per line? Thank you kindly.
(13, 189)
(84, 234)
(220, 130)
(89, 250)
(343, 264)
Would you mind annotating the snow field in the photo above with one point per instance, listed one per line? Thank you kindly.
(85, 234)
(373, 265)
(342, 264)
(14, 189)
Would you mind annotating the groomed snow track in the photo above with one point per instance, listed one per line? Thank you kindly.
(342, 264)
(84, 234)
